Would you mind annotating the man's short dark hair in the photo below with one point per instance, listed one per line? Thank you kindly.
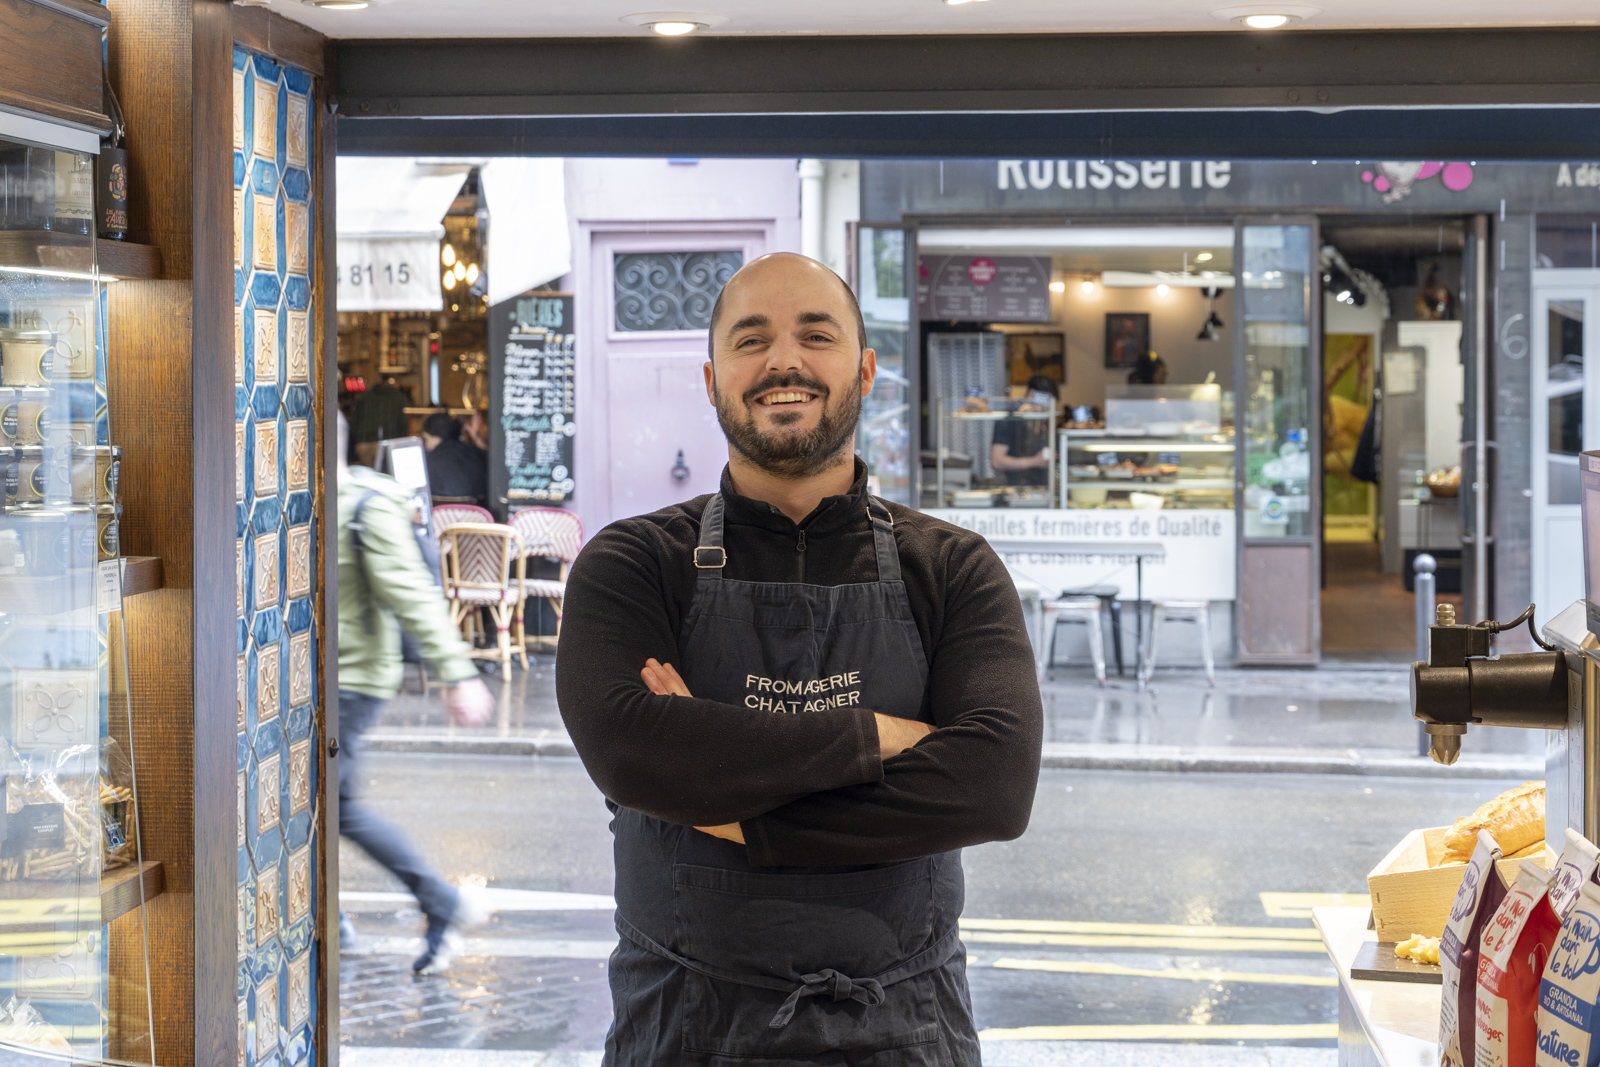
(441, 425)
(849, 295)
(1043, 383)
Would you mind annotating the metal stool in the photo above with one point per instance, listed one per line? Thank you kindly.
(1031, 595)
(1084, 609)
(1108, 595)
(1195, 611)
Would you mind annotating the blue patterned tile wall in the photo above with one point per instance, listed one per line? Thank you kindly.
(277, 532)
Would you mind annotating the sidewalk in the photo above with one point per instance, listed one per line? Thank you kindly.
(1342, 718)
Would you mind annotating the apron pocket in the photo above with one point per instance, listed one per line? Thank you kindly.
(781, 927)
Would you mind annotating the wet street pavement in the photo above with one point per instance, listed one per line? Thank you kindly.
(1145, 917)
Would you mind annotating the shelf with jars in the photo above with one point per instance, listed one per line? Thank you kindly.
(73, 976)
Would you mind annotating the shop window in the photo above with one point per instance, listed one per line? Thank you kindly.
(1568, 241)
(1564, 394)
(669, 290)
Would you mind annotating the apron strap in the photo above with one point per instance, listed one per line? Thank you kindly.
(883, 540)
(709, 555)
(868, 991)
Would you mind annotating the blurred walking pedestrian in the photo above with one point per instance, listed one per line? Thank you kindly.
(383, 585)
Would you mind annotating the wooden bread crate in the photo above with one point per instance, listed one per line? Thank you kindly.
(1412, 896)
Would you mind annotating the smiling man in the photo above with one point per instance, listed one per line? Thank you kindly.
(801, 703)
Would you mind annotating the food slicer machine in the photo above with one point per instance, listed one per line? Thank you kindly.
(1555, 689)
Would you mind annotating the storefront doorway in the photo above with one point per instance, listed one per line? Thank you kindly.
(1392, 389)
(1129, 331)
(1566, 388)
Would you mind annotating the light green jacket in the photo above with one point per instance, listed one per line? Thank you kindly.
(386, 581)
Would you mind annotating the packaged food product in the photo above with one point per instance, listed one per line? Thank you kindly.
(1515, 948)
(1570, 987)
(1576, 866)
(1480, 894)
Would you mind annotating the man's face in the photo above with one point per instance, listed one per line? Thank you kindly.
(788, 372)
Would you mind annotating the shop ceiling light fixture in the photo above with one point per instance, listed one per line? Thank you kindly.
(1267, 16)
(1203, 257)
(339, 5)
(958, 3)
(1088, 287)
(1213, 323)
(675, 23)
(1058, 287)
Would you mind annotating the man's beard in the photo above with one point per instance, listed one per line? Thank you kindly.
(823, 446)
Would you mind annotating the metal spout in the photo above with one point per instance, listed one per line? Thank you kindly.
(1444, 741)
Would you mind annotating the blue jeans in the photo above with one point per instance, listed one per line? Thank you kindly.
(379, 838)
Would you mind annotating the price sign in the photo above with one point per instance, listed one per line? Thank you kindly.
(389, 274)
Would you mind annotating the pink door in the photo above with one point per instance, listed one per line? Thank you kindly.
(663, 441)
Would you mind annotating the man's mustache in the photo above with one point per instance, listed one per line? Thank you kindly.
(792, 380)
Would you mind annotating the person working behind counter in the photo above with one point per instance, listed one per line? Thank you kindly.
(801, 703)
(1021, 448)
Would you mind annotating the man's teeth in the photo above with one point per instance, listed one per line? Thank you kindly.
(786, 398)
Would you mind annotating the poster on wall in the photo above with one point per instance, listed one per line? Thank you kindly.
(1032, 354)
(531, 427)
(979, 288)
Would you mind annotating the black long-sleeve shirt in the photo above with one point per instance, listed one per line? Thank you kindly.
(809, 789)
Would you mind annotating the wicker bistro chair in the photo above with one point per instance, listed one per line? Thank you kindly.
(547, 533)
(450, 514)
(483, 568)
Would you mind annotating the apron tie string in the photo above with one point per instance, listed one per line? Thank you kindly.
(839, 986)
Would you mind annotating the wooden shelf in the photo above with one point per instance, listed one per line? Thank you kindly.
(140, 574)
(123, 259)
(119, 889)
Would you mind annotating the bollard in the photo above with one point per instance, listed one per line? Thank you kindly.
(1422, 569)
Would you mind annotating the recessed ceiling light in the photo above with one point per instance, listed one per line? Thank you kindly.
(674, 23)
(1266, 16)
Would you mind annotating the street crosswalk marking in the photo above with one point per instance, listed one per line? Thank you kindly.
(1191, 944)
(1058, 926)
(1169, 1032)
(1088, 967)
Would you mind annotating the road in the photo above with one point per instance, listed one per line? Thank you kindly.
(1127, 924)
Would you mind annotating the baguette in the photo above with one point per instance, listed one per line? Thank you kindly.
(1515, 819)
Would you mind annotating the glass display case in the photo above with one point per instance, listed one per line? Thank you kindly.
(1162, 446)
(73, 970)
(995, 452)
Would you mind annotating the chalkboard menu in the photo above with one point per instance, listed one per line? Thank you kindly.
(978, 288)
(530, 400)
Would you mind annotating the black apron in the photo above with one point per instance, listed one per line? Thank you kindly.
(723, 963)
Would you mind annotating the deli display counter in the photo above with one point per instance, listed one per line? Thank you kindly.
(1162, 446)
(969, 431)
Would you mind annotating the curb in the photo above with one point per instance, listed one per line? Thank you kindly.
(1311, 761)
(545, 743)
(1062, 757)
